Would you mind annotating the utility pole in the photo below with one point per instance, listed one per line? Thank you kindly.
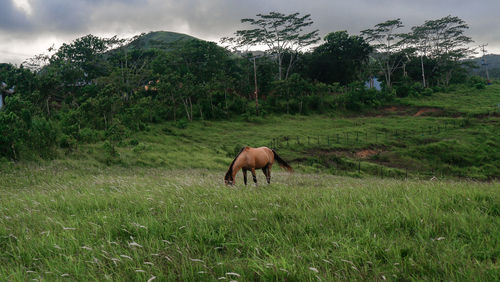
(483, 61)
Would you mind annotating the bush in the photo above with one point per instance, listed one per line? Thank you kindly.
(109, 149)
(43, 135)
(181, 124)
(89, 135)
(116, 132)
(427, 92)
(479, 85)
(477, 82)
(67, 142)
(359, 97)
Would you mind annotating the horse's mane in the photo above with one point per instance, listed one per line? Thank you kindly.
(230, 171)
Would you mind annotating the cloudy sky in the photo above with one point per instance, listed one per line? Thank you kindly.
(30, 27)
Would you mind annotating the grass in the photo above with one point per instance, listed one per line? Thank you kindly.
(158, 208)
(448, 146)
(462, 100)
(139, 223)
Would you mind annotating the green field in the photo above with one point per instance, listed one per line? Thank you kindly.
(135, 224)
(157, 207)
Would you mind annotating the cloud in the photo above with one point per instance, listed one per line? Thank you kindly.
(65, 20)
(12, 18)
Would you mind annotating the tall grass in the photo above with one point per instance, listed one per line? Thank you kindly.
(138, 224)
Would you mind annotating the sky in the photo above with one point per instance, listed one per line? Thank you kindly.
(31, 27)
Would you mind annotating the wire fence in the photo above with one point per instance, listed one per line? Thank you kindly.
(363, 137)
(348, 139)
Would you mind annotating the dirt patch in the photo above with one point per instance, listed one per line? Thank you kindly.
(366, 154)
(394, 110)
(426, 111)
(361, 154)
(409, 111)
(390, 109)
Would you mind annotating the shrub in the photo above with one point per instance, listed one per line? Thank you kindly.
(181, 124)
(427, 92)
(90, 135)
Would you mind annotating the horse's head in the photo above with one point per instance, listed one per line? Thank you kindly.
(228, 179)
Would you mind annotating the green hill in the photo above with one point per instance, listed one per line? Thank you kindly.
(159, 40)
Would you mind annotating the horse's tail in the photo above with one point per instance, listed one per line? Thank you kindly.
(281, 162)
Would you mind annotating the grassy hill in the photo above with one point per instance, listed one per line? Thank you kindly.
(447, 135)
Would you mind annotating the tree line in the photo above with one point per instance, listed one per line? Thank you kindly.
(95, 89)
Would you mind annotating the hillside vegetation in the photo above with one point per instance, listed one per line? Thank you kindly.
(443, 135)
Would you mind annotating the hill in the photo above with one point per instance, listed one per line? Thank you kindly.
(493, 61)
(159, 40)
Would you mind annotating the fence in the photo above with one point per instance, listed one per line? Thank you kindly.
(358, 139)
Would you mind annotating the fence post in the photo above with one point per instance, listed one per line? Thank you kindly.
(338, 140)
(328, 137)
(359, 166)
(357, 136)
(298, 141)
(308, 140)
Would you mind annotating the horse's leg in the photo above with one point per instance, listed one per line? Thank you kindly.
(267, 172)
(268, 176)
(254, 176)
(245, 176)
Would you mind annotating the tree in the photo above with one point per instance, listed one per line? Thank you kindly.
(340, 59)
(83, 59)
(386, 44)
(280, 33)
(447, 43)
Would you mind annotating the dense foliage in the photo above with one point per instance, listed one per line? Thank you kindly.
(103, 88)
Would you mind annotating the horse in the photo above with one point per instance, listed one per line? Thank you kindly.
(251, 159)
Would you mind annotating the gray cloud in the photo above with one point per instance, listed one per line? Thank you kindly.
(56, 21)
(11, 19)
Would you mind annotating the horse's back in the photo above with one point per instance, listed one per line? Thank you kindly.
(259, 157)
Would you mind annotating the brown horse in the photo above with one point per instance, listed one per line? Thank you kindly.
(251, 159)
